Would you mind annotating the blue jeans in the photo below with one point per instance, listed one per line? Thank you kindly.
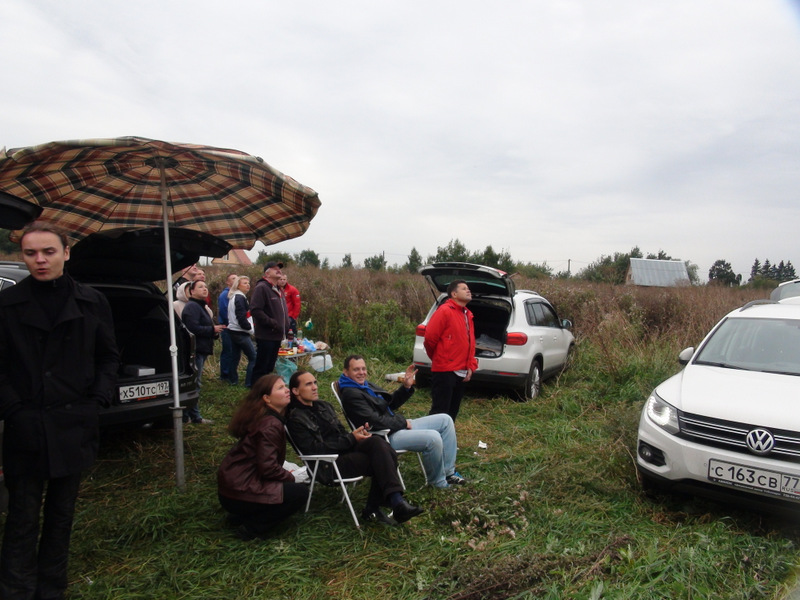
(435, 437)
(241, 344)
(225, 357)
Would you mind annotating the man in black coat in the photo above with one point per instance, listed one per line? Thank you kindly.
(58, 365)
(270, 318)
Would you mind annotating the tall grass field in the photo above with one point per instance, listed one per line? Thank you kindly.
(553, 508)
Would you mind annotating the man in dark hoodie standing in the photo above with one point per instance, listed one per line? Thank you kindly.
(58, 365)
(270, 317)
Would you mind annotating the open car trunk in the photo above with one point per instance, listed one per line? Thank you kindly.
(141, 326)
(491, 317)
(491, 305)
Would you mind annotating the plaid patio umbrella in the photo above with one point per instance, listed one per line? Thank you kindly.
(86, 186)
(91, 185)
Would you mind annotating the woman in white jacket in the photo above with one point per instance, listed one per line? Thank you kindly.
(240, 328)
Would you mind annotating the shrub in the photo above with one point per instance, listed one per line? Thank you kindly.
(359, 308)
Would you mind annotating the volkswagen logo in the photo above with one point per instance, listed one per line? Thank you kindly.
(760, 441)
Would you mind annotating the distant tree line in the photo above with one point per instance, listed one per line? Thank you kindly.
(721, 273)
(763, 274)
(306, 258)
(783, 271)
(454, 251)
(607, 269)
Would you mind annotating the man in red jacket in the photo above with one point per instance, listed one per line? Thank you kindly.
(450, 343)
(292, 296)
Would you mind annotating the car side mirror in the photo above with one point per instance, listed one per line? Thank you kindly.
(685, 355)
(566, 324)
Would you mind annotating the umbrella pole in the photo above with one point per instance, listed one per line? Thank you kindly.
(177, 411)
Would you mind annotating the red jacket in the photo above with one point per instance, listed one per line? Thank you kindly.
(450, 338)
(292, 300)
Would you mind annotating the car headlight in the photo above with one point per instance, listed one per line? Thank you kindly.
(662, 414)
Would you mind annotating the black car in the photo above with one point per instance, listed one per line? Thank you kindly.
(11, 273)
(124, 265)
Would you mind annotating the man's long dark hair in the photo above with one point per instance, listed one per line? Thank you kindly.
(294, 381)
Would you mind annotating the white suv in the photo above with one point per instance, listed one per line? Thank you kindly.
(728, 424)
(520, 341)
(787, 290)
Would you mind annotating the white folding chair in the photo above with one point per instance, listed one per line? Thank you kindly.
(384, 433)
(312, 463)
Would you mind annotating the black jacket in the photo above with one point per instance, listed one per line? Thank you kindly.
(316, 429)
(198, 321)
(362, 407)
(54, 376)
(269, 312)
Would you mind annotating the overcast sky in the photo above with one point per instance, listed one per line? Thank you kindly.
(553, 129)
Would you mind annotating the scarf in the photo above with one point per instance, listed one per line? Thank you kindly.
(345, 382)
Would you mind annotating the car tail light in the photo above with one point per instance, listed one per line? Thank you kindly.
(516, 339)
(420, 331)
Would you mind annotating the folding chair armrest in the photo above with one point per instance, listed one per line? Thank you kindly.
(322, 457)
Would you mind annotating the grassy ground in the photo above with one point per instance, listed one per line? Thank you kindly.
(553, 510)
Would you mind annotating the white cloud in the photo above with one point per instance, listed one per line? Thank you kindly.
(556, 130)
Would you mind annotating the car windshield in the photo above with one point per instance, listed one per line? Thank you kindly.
(768, 345)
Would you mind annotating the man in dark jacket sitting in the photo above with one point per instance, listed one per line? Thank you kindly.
(316, 429)
(434, 435)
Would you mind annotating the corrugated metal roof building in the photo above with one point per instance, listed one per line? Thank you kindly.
(657, 273)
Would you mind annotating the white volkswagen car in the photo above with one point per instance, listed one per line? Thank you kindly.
(520, 341)
(728, 425)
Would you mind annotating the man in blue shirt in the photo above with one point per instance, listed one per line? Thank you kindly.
(222, 317)
(434, 436)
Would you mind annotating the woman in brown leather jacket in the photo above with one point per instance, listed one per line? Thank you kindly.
(253, 486)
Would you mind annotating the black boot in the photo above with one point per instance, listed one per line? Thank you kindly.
(377, 516)
(405, 511)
